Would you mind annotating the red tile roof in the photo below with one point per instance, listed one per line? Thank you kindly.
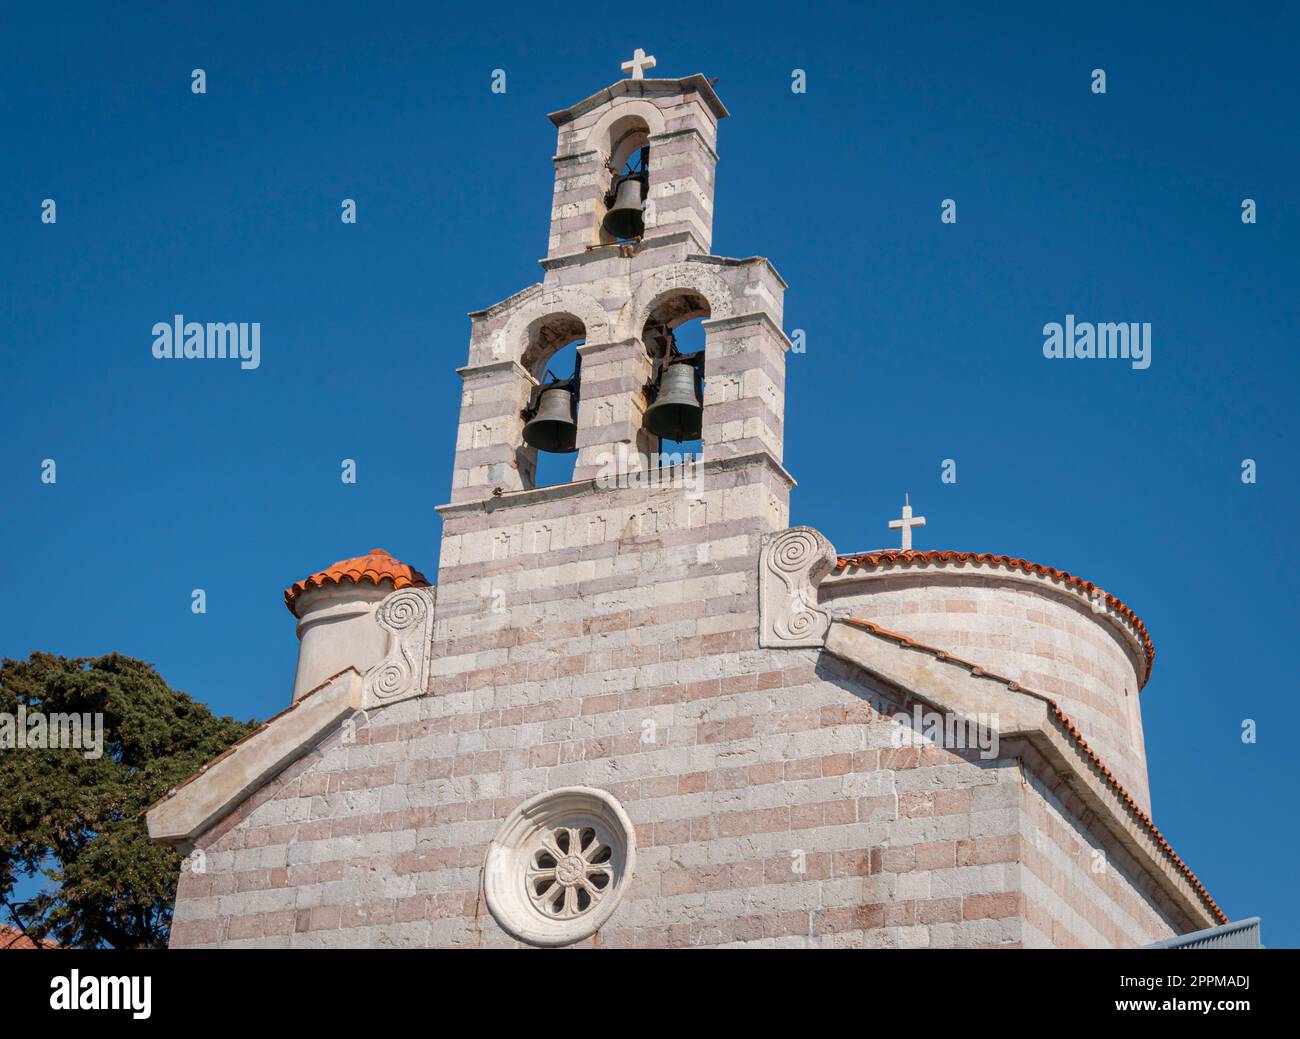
(12, 938)
(898, 556)
(1065, 723)
(374, 567)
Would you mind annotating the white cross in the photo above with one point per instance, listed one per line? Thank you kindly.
(639, 64)
(907, 523)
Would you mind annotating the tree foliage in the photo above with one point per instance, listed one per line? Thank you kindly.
(77, 819)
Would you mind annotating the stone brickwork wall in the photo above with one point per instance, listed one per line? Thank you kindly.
(760, 767)
(759, 763)
(1047, 639)
(1082, 890)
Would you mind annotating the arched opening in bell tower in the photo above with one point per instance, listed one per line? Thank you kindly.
(548, 448)
(673, 335)
(626, 209)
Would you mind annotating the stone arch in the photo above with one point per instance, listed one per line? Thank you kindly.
(605, 136)
(678, 293)
(548, 321)
(546, 336)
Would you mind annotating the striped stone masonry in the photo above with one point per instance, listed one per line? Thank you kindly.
(744, 397)
(682, 170)
(736, 696)
(612, 410)
(1043, 635)
(490, 452)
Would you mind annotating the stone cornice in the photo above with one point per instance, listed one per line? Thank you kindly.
(592, 349)
(575, 157)
(694, 84)
(559, 492)
(472, 371)
(748, 458)
(616, 250)
(508, 302)
(748, 261)
(685, 131)
(760, 316)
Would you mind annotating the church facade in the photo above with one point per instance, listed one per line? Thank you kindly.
(640, 709)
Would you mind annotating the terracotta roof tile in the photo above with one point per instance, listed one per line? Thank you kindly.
(898, 556)
(12, 938)
(1065, 723)
(374, 567)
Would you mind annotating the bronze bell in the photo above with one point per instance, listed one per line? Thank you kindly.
(552, 427)
(625, 218)
(677, 413)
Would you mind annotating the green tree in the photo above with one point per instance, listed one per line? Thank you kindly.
(77, 819)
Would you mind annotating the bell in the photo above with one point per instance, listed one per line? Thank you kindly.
(552, 428)
(677, 413)
(624, 219)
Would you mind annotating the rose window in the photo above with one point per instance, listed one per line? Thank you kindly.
(570, 872)
(559, 866)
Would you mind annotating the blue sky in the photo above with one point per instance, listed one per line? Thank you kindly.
(924, 340)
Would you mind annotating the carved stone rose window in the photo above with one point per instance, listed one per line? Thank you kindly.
(570, 872)
(559, 866)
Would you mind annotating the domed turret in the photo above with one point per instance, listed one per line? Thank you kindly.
(335, 610)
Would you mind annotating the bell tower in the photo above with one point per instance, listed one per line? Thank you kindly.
(668, 128)
(628, 262)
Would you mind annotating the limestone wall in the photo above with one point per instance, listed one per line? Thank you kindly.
(772, 799)
(1081, 889)
(753, 777)
(1036, 633)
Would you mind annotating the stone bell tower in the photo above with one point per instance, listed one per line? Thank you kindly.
(612, 296)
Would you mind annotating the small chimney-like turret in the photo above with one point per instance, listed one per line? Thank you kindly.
(335, 610)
